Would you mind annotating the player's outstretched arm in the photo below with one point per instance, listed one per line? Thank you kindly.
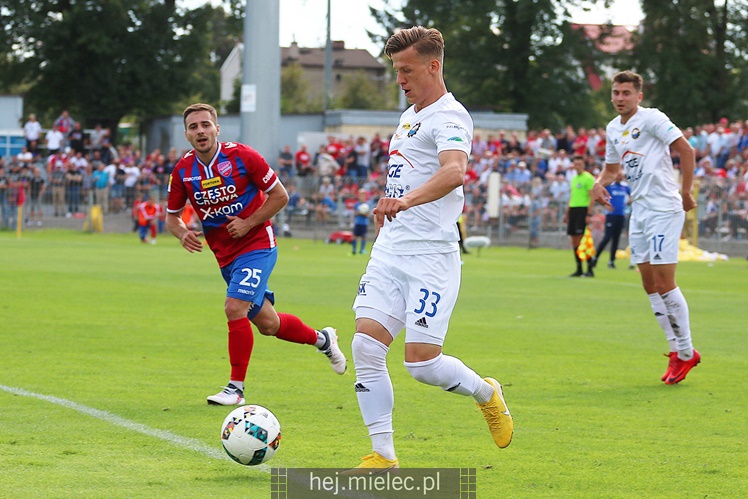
(599, 193)
(189, 238)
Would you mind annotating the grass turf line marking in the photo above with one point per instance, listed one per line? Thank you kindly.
(177, 440)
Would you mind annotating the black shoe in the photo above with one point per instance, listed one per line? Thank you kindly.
(578, 273)
(593, 263)
(589, 273)
(611, 265)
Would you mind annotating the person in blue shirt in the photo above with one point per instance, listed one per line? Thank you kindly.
(360, 222)
(615, 219)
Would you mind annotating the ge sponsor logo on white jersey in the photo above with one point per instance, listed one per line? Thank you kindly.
(632, 163)
(394, 171)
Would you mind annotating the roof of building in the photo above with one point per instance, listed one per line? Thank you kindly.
(341, 56)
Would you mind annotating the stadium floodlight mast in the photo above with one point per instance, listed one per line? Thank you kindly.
(261, 76)
(327, 91)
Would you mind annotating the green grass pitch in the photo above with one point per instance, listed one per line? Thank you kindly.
(136, 333)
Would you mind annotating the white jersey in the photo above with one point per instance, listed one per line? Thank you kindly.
(642, 146)
(414, 158)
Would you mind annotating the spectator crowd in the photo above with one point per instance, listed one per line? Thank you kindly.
(67, 168)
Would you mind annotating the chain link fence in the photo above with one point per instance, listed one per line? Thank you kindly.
(530, 213)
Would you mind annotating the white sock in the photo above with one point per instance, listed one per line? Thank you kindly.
(374, 391)
(321, 339)
(238, 384)
(448, 373)
(660, 312)
(485, 393)
(677, 311)
(382, 444)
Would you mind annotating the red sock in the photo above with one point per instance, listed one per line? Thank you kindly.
(153, 231)
(293, 330)
(241, 341)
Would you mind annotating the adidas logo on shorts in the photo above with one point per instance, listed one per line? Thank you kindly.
(422, 322)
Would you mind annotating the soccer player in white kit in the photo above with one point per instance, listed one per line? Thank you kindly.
(640, 139)
(413, 276)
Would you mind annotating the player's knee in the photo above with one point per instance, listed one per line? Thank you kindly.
(427, 372)
(266, 325)
(368, 353)
(235, 309)
(420, 374)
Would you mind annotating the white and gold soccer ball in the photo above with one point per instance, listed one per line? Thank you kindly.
(250, 435)
(363, 209)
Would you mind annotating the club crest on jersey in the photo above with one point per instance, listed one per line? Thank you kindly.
(211, 182)
(413, 131)
(224, 168)
(635, 133)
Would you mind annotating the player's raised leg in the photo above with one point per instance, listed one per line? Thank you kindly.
(452, 375)
(288, 327)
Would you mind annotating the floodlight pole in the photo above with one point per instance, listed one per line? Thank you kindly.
(327, 92)
(261, 70)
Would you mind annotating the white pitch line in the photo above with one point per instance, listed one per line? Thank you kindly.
(177, 440)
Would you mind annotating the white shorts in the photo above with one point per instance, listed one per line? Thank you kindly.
(417, 292)
(654, 236)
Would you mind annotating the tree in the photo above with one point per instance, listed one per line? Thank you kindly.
(295, 91)
(509, 56)
(102, 59)
(693, 55)
(360, 92)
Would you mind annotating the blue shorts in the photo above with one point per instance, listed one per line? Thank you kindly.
(247, 278)
(143, 230)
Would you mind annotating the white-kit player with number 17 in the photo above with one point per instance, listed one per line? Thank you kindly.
(640, 139)
(413, 276)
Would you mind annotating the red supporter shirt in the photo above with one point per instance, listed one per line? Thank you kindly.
(303, 158)
(234, 183)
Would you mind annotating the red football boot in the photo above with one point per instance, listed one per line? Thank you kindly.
(670, 364)
(681, 368)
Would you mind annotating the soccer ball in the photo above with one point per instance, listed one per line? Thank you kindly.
(250, 435)
(363, 209)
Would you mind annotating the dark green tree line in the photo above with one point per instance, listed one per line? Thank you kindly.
(508, 56)
(694, 54)
(102, 59)
(526, 57)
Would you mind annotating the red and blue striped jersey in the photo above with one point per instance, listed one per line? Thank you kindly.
(234, 183)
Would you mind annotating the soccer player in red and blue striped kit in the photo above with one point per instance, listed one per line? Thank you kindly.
(235, 194)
